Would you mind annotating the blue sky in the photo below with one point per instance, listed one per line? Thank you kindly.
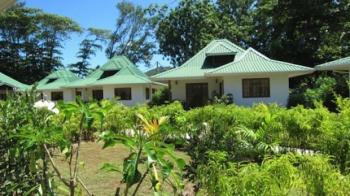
(90, 13)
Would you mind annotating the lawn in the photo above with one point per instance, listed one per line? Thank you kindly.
(101, 182)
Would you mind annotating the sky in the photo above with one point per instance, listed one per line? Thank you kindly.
(91, 13)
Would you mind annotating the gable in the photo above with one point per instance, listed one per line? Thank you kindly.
(195, 66)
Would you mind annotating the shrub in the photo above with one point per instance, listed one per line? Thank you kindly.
(288, 174)
(322, 89)
(161, 96)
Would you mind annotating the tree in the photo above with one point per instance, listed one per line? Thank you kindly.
(132, 36)
(88, 47)
(30, 42)
(306, 33)
(187, 29)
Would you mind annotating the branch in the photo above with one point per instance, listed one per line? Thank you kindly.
(84, 186)
(55, 167)
(139, 184)
(78, 147)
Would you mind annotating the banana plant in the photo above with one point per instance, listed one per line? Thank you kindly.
(146, 147)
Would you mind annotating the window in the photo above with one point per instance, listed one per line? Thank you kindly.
(153, 91)
(217, 61)
(5, 91)
(56, 96)
(97, 95)
(108, 73)
(257, 87)
(147, 93)
(123, 93)
(3, 95)
(51, 80)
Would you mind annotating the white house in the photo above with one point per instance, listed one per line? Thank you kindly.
(119, 79)
(52, 86)
(223, 68)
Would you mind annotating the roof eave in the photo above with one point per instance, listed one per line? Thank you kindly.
(178, 78)
(332, 67)
(289, 73)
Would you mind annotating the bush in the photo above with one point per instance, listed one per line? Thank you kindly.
(285, 175)
(161, 96)
(250, 134)
(322, 89)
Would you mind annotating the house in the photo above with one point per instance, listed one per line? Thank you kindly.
(52, 86)
(223, 68)
(9, 85)
(340, 65)
(118, 78)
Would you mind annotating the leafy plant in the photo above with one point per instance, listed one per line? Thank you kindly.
(145, 145)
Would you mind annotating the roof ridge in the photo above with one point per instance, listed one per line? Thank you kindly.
(187, 61)
(258, 53)
(233, 44)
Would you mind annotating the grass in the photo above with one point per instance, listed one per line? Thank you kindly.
(99, 182)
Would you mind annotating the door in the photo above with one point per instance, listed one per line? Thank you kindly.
(196, 94)
(97, 95)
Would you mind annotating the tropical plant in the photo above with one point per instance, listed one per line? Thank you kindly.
(145, 145)
(288, 174)
(23, 129)
(69, 144)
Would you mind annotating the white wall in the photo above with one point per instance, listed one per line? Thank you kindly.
(279, 89)
(138, 94)
(68, 94)
(178, 91)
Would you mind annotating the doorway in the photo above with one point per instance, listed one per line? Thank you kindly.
(97, 95)
(196, 94)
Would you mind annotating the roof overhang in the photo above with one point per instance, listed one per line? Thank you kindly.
(290, 74)
(333, 67)
(180, 78)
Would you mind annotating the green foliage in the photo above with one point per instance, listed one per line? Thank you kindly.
(24, 130)
(132, 34)
(234, 150)
(30, 42)
(88, 47)
(285, 175)
(145, 144)
(161, 96)
(323, 89)
(283, 30)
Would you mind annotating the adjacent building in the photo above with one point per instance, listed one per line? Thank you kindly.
(340, 65)
(119, 79)
(223, 68)
(52, 87)
(9, 85)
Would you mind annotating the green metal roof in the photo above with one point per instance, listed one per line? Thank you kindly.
(340, 64)
(56, 80)
(6, 80)
(127, 73)
(193, 67)
(252, 61)
(246, 61)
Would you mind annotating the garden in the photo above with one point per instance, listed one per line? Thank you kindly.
(106, 148)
